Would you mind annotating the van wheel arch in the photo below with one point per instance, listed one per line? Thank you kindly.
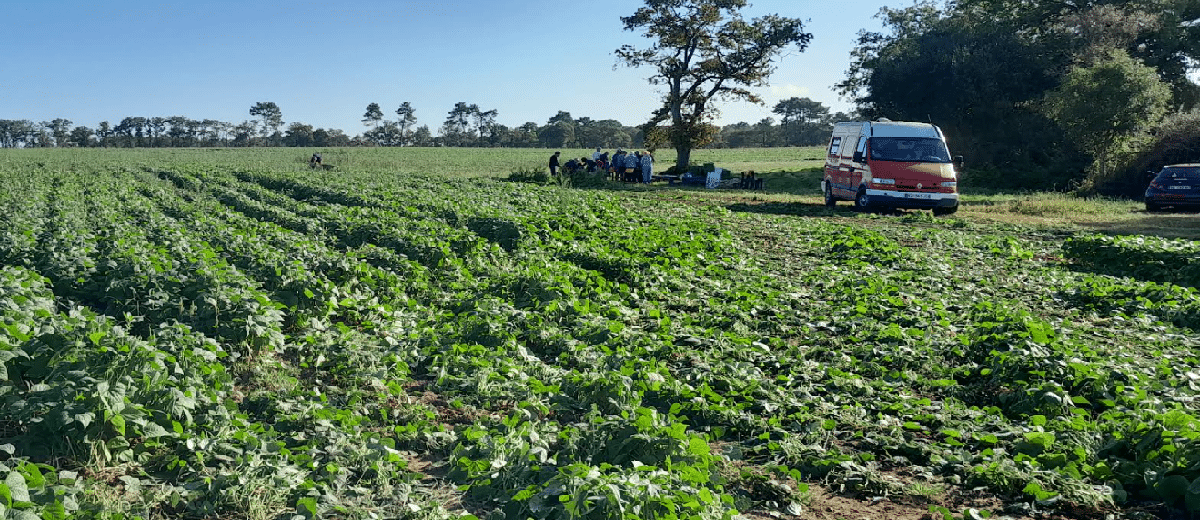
(861, 201)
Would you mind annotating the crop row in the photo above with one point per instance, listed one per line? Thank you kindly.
(566, 353)
(1002, 357)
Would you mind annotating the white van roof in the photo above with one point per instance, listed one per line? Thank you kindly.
(904, 129)
(893, 128)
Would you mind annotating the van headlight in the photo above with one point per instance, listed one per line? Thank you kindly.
(950, 184)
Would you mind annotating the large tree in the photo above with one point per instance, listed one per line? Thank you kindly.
(422, 136)
(103, 132)
(456, 130)
(701, 50)
(524, 136)
(805, 122)
(271, 115)
(374, 115)
(134, 130)
(82, 137)
(1162, 34)
(179, 132)
(976, 77)
(16, 133)
(1101, 105)
(407, 119)
(298, 134)
(979, 69)
(59, 128)
(485, 123)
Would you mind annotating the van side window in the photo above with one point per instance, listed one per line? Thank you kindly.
(835, 145)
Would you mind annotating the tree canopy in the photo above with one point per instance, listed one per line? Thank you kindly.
(804, 121)
(987, 72)
(408, 118)
(1099, 105)
(373, 117)
(701, 50)
(271, 115)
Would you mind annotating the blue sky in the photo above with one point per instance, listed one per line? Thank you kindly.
(323, 62)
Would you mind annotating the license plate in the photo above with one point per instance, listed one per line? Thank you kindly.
(917, 195)
(1179, 187)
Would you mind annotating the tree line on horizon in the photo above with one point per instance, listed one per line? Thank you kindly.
(802, 122)
(1037, 94)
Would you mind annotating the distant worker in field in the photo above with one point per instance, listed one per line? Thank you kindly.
(595, 160)
(647, 167)
(554, 164)
(618, 165)
(633, 161)
(314, 161)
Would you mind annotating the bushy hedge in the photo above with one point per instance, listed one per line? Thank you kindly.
(1175, 140)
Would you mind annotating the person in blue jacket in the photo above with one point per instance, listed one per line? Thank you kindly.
(632, 162)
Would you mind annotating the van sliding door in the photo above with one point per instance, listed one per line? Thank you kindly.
(856, 177)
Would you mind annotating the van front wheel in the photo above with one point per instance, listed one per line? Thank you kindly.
(861, 201)
(829, 200)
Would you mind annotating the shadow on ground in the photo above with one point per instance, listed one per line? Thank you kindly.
(791, 208)
(1167, 225)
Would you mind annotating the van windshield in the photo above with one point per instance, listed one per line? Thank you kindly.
(909, 149)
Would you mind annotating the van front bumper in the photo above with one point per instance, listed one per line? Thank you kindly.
(911, 199)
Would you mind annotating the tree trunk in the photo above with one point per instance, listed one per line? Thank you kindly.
(683, 157)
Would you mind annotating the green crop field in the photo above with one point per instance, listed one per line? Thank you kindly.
(229, 334)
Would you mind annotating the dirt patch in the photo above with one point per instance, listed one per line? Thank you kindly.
(825, 505)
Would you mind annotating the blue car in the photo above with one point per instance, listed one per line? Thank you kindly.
(1177, 186)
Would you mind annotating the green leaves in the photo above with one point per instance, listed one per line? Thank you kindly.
(16, 490)
(224, 329)
(1191, 496)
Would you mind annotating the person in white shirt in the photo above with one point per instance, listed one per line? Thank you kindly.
(647, 167)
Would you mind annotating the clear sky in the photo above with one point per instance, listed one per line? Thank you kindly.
(324, 61)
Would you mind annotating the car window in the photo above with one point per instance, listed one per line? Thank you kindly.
(1180, 174)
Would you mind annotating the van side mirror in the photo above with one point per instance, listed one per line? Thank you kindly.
(858, 156)
(959, 162)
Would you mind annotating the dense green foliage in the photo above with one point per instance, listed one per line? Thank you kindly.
(1011, 80)
(1175, 141)
(224, 333)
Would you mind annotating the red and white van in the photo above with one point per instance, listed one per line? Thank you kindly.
(891, 164)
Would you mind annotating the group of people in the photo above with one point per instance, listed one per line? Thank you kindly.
(625, 166)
